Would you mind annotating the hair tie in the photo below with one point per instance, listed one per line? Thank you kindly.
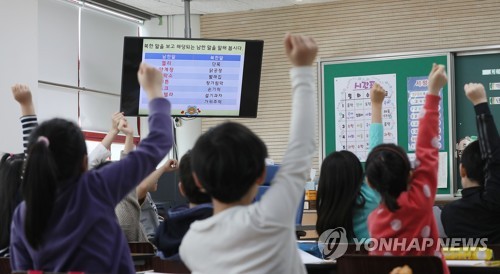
(44, 140)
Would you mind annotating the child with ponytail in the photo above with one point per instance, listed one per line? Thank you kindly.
(405, 217)
(344, 199)
(67, 221)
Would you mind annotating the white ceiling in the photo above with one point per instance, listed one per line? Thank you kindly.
(170, 7)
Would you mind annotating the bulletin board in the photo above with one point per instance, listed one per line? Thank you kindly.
(346, 108)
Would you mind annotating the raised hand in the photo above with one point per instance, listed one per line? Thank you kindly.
(437, 79)
(377, 94)
(151, 80)
(170, 165)
(475, 93)
(115, 120)
(22, 94)
(124, 128)
(301, 50)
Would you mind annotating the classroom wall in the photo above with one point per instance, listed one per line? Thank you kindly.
(38, 54)
(18, 64)
(347, 28)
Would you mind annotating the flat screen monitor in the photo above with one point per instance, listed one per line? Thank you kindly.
(202, 77)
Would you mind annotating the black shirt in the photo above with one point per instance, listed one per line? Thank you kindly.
(477, 214)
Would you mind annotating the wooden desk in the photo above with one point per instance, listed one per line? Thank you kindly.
(142, 261)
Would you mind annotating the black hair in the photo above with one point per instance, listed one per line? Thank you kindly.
(56, 151)
(388, 171)
(473, 163)
(339, 189)
(227, 160)
(11, 166)
(193, 193)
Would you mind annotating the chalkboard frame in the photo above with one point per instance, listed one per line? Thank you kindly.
(466, 52)
(444, 194)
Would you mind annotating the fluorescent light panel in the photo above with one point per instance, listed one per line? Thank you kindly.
(84, 4)
(130, 18)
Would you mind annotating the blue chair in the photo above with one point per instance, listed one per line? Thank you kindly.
(270, 173)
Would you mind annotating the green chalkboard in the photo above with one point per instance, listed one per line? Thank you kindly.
(477, 68)
(396, 73)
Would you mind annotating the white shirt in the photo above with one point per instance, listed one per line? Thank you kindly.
(260, 238)
(98, 155)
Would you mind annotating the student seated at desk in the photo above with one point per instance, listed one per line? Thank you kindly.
(149, 217)
(228, 161)
(477, 213)
(405, 215)
(67, 220)
(344, 199)
(178, 220)
(128, 211)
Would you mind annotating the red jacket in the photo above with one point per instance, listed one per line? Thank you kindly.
(412, 229)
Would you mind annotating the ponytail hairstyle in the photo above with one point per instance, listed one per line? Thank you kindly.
(56, 151)
(11, 166)
(339, 189)
(388, 171)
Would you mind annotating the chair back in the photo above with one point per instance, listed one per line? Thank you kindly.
(169, 266)
(142, 255)
(365, 264)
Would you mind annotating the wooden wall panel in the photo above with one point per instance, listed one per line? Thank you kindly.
(347, 28)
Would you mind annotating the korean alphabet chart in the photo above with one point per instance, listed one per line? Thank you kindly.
(353, 112)
(417, 89)
(200, 77)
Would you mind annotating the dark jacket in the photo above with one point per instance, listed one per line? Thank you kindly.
(477, 214)
(171, 231)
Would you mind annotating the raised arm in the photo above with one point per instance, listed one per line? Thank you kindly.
(22, 94)
(116, 180)
(489, 141)
(129, 137)
(151, 181)
(377, 95)
(423, 187)
(102, 151)
(279, 204)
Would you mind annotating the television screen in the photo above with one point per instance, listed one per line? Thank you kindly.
(202, 77)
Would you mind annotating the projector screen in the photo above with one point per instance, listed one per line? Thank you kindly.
(209, 78)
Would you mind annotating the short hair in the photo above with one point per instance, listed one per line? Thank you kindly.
(227, 160)
(191, 190)
(473, 163)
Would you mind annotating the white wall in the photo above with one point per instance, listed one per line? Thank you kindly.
(57, 59)
(18, 64)
(173, 26)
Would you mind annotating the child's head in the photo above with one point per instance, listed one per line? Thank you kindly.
(338, 190)
(388, 171)
(228, 161)
(11, 166)
(57, 155)
(187, 185)
(472, 166)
